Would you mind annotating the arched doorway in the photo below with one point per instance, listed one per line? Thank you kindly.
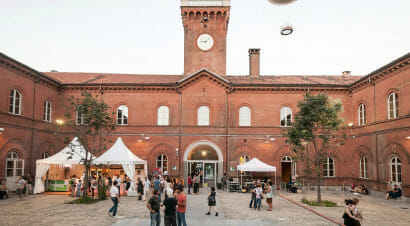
(204, 158)
(288, 167)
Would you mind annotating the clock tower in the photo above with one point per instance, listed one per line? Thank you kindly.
(205, 28)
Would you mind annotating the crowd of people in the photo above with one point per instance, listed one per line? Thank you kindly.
(24, 186)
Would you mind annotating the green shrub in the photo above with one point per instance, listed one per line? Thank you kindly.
(325, 203)
(102, 191)
(83, 200)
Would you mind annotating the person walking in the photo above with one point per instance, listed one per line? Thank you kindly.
(259, 196)
(153, 206)
(118, 185)
(170, 205)
(189, 184)
(157, 185)
(140, 188)
(212, 201)
(181, 209)
(269, 195)
(252, 204)
(196, 185)
(29, 185)
(147, 185)
(20, 186)
(115, 197)
(124, 184)
(348, 216)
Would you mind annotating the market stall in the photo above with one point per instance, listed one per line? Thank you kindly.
(255, 165)
(72, 155)
(119, 154)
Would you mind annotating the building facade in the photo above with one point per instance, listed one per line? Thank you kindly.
(205, 119)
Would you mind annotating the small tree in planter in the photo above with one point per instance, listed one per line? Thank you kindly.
(316, 123)
(90, 121)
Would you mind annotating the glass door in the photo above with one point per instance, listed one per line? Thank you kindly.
(210, 174)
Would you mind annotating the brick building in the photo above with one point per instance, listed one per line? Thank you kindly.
(207, 119)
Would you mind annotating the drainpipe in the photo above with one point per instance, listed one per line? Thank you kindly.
(180, 131)
(376, 140)
(32, 125)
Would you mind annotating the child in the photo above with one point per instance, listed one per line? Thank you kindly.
(212, 201)
(78, 193)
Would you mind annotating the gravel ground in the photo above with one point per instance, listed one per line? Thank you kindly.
(51, 210)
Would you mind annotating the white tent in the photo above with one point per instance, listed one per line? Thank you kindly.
(73, 153)
(255, 165)
(119, 154)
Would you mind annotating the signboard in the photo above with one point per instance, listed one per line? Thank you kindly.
(174, 168)
(232, 169)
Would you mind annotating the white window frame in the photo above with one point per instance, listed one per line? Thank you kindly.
(123, 118)
(79, 119)
(16, 160)
(163, 116)
(393, 99)
(363, 168)
(245, 116)
(362, 114)
(13, 100)
(161, 159)
(284, 112)
(327, 170)
(47, 111)
(395, 170)
(203, 116)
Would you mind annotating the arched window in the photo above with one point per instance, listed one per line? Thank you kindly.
(285, 116)
(393, 106)
(79, 119)
(244, 116)
(395, 169)
(329, 167)
(122, 115)
(162, 163)
(15, 102)
(203, 116)
(363, 168)
(14, 165)
(45, 155)
(362, 114)
(163, 116)
(47, 111)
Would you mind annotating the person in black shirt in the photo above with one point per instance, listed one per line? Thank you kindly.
(153, 206)
(212, 201)
(253, 195)
(170, 205)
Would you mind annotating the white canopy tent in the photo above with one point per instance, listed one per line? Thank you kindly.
(119, 154)
(74, 153)
(255, 165)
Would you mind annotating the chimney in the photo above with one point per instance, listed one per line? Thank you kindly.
(254, 62)
(346, 73)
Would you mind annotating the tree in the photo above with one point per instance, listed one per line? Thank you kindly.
(89, 120)
(316, 124)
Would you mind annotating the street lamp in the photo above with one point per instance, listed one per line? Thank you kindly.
(59, 122)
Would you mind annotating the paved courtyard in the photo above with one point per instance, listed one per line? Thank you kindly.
(233, 210)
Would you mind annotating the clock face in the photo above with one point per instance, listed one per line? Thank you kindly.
(205, 42)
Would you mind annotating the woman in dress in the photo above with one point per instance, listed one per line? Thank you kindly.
(140, 188)
(269, 195)
(79, 187)
(348, 215)
(212, 201)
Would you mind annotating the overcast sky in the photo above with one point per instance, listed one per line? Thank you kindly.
(136, 36)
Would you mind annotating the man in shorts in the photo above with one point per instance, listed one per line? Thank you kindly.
(20, 186)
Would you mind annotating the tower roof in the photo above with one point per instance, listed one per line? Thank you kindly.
(205, 2)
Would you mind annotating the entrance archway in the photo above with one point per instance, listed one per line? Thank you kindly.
(206, 159)
(288, 167)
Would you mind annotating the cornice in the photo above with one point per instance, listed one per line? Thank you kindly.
(25, 70)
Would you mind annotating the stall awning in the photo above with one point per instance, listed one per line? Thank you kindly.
(118, 154)
(255, 165)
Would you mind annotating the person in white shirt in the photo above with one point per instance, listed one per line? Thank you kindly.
(118, 179)
(115, 197)
(147, 185)
(259, 196)
(20, 186)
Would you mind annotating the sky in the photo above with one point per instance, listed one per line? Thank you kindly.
(146, 37)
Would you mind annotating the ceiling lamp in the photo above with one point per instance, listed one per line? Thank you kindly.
(286, 29)
(281, 2)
